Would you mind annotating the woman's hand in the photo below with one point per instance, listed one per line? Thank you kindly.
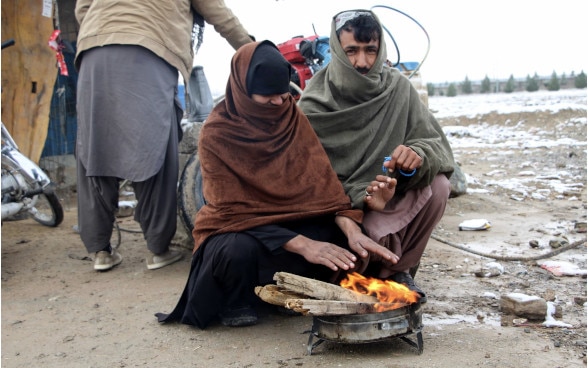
(323, 253)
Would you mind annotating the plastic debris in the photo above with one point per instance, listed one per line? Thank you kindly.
(475, 224)
(495, 266)
(491, 269)
(552, 322)
(562, 268)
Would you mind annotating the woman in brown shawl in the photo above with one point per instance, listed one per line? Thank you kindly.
(274, 202)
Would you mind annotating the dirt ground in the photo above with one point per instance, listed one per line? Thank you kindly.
(58, 312)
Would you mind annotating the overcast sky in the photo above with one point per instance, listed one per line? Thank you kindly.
(467, 38)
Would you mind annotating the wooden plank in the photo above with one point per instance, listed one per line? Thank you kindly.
(28, 74)
(335, 307)
(319, 289)
(275, 295)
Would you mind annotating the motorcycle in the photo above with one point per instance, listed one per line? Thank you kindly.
(27, 191)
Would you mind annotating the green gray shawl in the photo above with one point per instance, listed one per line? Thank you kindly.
(360, 119)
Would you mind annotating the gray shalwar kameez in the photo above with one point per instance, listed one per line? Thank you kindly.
(128, 126)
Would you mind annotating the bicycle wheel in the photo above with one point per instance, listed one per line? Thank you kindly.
(47, 210)
(190, 198)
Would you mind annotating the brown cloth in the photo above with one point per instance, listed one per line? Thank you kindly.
(270, 161)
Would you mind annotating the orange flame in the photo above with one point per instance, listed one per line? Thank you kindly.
(390, 294)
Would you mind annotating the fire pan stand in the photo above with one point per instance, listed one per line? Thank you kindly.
(364, 328)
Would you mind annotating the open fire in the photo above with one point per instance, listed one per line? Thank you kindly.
(358, 310)
(390, 294)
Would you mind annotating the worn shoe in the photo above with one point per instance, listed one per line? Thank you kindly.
(406, 279)
(104, 261)
(238, 317)
(155, 261)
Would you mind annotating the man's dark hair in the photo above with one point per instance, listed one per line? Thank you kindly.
(365, 28)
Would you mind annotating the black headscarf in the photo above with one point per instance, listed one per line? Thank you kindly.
(269, 72)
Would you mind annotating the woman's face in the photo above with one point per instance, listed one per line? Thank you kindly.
(276, 100)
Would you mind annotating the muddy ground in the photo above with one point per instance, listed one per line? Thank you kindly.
(58, 312)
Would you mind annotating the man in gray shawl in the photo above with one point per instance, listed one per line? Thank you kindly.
(388, 150)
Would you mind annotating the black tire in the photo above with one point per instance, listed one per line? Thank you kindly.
(48, 210)
(190, 198)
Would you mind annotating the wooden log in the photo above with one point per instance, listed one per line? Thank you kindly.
(335, 307)
(317, 307)
(275, 295)
(320, 290)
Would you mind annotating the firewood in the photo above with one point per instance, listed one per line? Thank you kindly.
(319, 289)
(275, 295)
(335, 307)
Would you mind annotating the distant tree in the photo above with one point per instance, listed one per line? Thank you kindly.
(532, 85)
(466, 86)
(485, 87)
(431, 89)
(563, 81)
(510, 85)
(580, 80)
(451, 90)
(553, 84)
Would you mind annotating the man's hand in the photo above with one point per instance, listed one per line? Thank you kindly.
(404, 158)
(323, 253)
(362, 244)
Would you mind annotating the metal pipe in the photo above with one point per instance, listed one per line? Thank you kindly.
(11, 209)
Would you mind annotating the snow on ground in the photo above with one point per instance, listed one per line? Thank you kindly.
(475, 104)
(526, 148)
(507, 137)
(512, 138)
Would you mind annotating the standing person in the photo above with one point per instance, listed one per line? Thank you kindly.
(129, 55)
(363, 110)
(273, 201)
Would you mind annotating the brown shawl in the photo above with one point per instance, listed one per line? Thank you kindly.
(262, 164)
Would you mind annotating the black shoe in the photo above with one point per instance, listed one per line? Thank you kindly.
(406, 279)
(238, 317)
